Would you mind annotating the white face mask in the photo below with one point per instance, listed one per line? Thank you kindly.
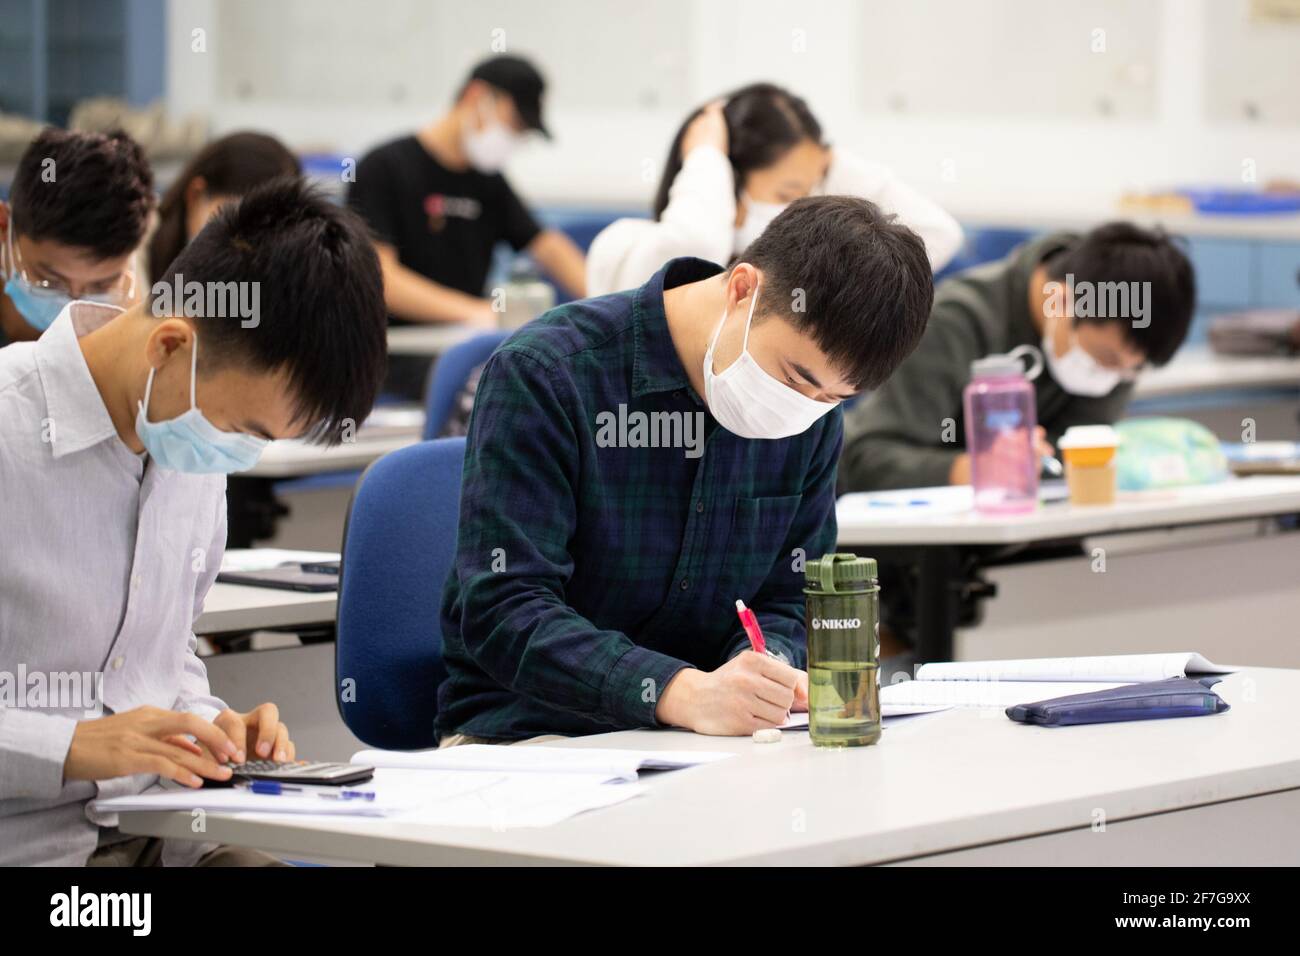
(750, 403)
(1076, 371)
(491, 146)
(758, 216)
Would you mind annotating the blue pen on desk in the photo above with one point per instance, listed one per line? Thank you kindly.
(912, 503)
(273, 788)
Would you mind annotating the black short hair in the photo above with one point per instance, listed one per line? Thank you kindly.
(1121, 252)
(89, 190)
(321, 314)
(862, 278)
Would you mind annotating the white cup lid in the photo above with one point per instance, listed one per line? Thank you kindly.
(1089, 436)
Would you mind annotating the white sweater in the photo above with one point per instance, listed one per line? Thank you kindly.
(701, 214)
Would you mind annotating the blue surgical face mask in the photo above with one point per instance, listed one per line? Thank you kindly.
(190, 442)
(40, 307)
(39, 310)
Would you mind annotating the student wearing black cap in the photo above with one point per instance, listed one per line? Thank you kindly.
(438, 203)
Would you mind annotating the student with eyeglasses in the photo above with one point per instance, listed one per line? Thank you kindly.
(78, 208)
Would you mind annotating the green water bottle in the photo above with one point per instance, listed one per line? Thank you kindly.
(842, 609)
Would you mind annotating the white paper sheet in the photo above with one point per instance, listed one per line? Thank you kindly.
(800, 721)
(394, 790)
(908, 503)
(505, 802)
(613, 763)
(264, 559)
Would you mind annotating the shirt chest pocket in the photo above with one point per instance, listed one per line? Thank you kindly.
(755, 544)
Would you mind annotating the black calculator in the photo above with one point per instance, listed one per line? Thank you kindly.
(305, 772)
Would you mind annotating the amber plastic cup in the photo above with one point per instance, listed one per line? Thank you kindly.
(1090, 472)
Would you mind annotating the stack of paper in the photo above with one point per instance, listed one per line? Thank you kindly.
(472, 785)
(392, 794)
(1006, 683)
(612, 764)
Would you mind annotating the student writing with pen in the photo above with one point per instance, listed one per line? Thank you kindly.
(596, 573)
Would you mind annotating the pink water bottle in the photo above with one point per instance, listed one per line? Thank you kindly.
(1001, 417)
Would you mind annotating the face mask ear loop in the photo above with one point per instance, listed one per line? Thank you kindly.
(148, 390)
(717, 330)
(744, 345)
(11, 256)
(194, 366)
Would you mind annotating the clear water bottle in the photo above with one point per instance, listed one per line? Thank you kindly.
(1001, 417)
(842, 611)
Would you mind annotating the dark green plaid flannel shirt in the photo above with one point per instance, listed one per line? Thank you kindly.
(587, 576)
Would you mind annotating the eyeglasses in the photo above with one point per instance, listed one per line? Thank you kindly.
(119, 291)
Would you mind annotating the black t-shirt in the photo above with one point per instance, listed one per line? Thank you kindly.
(444, 224)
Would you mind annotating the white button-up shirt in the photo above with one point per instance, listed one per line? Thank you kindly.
(104, 563)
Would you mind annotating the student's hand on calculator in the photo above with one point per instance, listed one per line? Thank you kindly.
(749, 692)
(148, 740)
(258, 733)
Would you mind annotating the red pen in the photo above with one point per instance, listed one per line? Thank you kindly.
(750, 623)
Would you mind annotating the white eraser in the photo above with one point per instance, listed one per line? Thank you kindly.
(768, 735)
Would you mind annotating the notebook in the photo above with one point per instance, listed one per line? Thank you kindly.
(1011, 682)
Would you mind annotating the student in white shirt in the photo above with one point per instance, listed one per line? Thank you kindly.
(733, 166)
(117, 429)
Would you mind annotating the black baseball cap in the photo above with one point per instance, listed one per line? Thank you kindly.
(519, 79)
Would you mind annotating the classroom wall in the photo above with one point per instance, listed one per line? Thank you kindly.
(986, 103)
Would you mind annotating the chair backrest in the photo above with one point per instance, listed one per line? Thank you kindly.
(450, 373)
(398, 547)
(981, 246)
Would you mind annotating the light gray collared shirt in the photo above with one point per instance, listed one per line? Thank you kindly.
(104, 563)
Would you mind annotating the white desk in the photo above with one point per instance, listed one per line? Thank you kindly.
(941, 784)
(1202, 370)
(238, 607)
(1041, 214)
(388, 428)
(948, 547)
(428, 340)
(1256, 497)
(292, 459)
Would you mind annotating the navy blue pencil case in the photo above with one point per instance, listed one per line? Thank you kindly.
(1154, 700)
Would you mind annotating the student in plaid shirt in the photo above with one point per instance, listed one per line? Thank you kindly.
(639, 461)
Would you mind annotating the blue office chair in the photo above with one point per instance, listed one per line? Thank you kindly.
(450, 374)
(983, 245)
(398, 548)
